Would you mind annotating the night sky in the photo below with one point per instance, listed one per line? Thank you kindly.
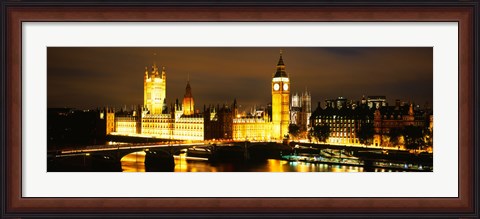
(87, 78)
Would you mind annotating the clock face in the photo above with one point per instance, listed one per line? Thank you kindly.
(276, 86)
(285, 86)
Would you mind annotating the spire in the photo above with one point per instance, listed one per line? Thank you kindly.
(154, 59)
(410, 110)
(164, 72)
(154, 66)
(188, 90)
(280, 67)
(188, 103)
(280, 61)
(155, 69)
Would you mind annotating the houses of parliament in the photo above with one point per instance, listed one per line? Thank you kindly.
(181, 121)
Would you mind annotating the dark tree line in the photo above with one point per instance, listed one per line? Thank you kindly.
(320, 133)
(365, 133)
(293, 130)
(414, 137)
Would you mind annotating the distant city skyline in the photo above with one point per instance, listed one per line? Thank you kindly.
(91, 77)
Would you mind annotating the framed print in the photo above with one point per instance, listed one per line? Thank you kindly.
(288, 154)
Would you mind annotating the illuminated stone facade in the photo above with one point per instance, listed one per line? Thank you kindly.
(155, 90)
(301, 110)
(345, 118)
(399, 116)
(182, 122)
(189, 127)
(110, 120)
(188, 103)
(219, 121)
(280, 101)
(158, 126)
(155, 120)
(342, 120)
(257, 127)
(127, 125)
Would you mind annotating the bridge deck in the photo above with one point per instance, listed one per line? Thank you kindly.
(97, 148)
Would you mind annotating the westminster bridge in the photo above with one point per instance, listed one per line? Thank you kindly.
(108, 157)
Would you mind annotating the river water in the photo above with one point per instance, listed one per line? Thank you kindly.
(134, 162)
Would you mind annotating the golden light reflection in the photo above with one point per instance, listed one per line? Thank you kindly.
(275, 165)
(337, 168)
(303, 167)
(180, 163)
(134, 162)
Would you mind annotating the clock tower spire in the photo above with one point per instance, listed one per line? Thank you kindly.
(280, 100)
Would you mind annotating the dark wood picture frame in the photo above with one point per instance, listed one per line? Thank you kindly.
(15, 12)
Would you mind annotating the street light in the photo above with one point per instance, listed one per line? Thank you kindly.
(84, 157)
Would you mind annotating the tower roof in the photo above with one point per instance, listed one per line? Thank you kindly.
(188, 104)
(280, 68)
(280, 61)
(188, 90)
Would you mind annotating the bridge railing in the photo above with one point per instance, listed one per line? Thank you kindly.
(90, 148)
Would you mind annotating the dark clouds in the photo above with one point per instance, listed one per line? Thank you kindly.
(96, 77)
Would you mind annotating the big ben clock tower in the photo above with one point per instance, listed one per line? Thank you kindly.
(280, 101)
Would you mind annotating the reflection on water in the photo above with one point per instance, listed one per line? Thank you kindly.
(134, 162)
